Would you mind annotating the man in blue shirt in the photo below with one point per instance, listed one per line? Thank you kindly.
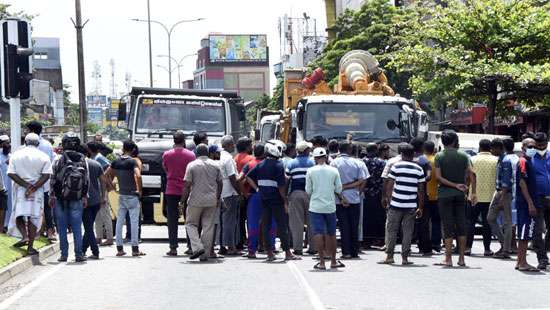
(353, 176)
(541, 165)
(268, 178)
(502, 201)
(298, 199)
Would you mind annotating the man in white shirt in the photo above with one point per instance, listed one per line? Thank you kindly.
(230, 197)
(29, 169)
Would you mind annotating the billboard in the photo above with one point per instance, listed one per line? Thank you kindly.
(238, 49)
(96, 101)
(95, 116)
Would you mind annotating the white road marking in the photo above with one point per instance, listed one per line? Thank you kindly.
(312, 296)
(25, 289)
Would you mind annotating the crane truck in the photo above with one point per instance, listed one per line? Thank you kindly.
(361, 104)
(152, 115)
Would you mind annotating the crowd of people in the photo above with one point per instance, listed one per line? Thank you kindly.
(238, 197)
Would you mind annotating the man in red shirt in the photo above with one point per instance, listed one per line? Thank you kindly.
(243, 157)
(175, 163)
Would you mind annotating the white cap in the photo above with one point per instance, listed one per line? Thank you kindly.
(32, 139)
(4, 138)
(303, 145)
(319, 152)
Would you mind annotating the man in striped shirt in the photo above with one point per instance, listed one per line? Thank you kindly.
(405, 193)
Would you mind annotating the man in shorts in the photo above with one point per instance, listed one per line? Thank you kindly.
(526, 210)
(454, 173)
(322, 182)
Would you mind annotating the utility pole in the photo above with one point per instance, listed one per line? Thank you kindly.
(150, 44)
(81, 76)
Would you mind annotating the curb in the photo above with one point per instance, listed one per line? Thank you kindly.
(28, 262)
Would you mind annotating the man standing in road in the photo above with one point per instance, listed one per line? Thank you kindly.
(405, 192)
(96, 198)
(453, 171)
(229, 229)
(430, 207)
(424, 237)
(46, 147)
(201, 194)
(298, 198)
(268, 178)
(103, 220)
(175, 163)
(69, 194)
(502, 201)
(126, 170)
(353, 176)
(541, 165)
(322, 184)
(484, 165)
(4, 162)
(29, 169)
(526, 209)
(374, 217)
(243, 157)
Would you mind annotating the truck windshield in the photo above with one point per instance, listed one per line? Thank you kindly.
(365, 121)
(170, 114)
(268, 132)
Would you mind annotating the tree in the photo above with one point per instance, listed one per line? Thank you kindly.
(72, 112)
(477, 51)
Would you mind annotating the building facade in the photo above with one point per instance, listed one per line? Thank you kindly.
(234, 62)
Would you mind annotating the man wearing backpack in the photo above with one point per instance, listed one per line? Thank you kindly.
(128, 175)
(69, 194)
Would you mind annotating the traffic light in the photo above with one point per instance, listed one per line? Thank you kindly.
(16, 60)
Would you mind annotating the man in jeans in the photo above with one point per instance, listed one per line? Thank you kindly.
(502, 201)
(201, 194)
(298, 198)
(126, 170)
(454, 172)
(69, 208)
(405, 192)
(229, 219)
(353, 176)
(103, 220)
(484, 165)
(175, 163)
(541, 165)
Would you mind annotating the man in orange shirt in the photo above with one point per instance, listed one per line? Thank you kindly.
(243, 157)
(431, 211)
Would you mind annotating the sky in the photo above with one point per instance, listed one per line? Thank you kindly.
(111, 34)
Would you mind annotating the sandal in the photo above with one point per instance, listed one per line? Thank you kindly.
(121, 253)
(319, 267)
(139, 253)
(21, 243)
(386, 262)
(271, 259)
(32, 251)
(448, 265)
(339, 264)
(293, 257)
(407, 263)
(528, 269)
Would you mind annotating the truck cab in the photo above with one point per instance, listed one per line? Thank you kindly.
(152, 115)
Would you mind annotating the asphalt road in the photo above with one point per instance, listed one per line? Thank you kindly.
(159, 282)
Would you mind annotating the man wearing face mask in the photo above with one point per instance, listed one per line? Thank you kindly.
(541, 165)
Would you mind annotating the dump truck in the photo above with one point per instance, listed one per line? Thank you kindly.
(361, 105)
(152, 115)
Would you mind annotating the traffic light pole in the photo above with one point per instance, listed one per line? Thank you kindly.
(15, 122)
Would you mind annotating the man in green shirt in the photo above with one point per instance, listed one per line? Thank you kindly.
(322, 183)
(454, 173)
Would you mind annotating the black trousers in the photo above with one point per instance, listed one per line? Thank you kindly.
(473, 212)
(172, 215)
(424, 234)
(275, 210)
(374, 218)
(48, 212)
(88, 239)
(348, 221)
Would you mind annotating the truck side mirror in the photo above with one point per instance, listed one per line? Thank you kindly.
(300, 117)
(121, 111)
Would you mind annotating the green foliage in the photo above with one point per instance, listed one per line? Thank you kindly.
(454, 52)
(4, 13)
(5, 125)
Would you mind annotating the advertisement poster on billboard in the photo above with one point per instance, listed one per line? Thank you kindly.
(96, 101)
(113, 110)
(95, 116)
(238, 49)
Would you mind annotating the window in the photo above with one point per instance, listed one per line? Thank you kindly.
(41, 55)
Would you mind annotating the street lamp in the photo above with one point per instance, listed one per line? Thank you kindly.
(178, 64)
(169, 31)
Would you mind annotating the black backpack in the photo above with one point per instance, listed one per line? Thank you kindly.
(72, 177)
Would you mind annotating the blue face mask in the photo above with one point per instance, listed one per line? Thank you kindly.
(531, 152)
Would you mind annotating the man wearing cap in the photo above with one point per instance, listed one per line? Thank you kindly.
(5, 197)
(29, 168)
(322, 183)
(298, 199)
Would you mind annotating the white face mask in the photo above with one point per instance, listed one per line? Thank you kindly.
(541, 152)
(531, 152)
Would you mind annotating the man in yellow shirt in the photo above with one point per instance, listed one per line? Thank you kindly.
(431, 212)
(484, 165)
